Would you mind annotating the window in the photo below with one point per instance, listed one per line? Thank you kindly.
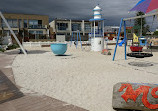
(76, 26)
(20, 23)
(87, 27)
(36, 34)
(7, 32)
(25, 23)
(33, 23)
(62, 26)
(40, 23)
(13, 23)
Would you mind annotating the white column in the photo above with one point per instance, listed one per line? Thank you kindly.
(83, 27)
(70, 27)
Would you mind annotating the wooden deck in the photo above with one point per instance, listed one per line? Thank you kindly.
(11, 99)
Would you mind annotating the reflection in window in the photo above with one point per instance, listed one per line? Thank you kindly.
(76, 26)
(33, 23)
(33, 34)
(13, 23)
(7, 32)
(87, 27)
(62, 26)
(25, 23)
(20, 23)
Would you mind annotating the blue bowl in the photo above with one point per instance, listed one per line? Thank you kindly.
(58, 48)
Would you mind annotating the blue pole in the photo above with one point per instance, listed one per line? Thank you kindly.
(77, 40)
(80, 40)
(117, 39)
(125, 39)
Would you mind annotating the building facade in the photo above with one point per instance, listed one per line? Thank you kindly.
(66, 27)
(26, 25)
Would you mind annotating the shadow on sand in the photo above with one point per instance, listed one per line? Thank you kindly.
(17, 51)
(64, 55)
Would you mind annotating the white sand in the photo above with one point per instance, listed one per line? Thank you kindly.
(84, 78)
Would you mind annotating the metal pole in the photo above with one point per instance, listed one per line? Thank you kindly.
(118, 38)
(94, 29)
(80, 40)
(125, 39)
(141, 28)
(142, 16)
(77, 40)
(103, 28)
(13, 33)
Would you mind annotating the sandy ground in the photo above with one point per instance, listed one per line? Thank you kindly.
(82, 78)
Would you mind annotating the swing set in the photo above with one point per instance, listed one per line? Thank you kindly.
(123, 23)
(74, 34)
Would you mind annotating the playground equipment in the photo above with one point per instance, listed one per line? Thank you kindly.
(144, 6)
(142, 41)
(73, 38)
(135, 44)
(122, 42)
(58, 48)
(12, 32)
(97, 30)
(123, 22)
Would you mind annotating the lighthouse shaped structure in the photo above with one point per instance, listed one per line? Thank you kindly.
(97, 30)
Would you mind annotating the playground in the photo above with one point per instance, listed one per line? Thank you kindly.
(82, 78)
(86, 75)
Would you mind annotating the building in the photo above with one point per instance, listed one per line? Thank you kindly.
(33, 27)
(112, 32)
(66, 27)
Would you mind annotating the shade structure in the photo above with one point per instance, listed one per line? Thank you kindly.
(145, 6)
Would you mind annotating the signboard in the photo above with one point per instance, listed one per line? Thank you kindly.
(136, 96)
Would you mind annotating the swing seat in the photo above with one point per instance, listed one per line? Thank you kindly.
(136, 48)
(139, 55)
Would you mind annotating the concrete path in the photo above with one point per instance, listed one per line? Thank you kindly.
(28, 101)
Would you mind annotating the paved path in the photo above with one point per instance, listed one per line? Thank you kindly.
(14, 100)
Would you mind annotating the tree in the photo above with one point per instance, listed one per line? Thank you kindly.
(1, 37)
(156, 33)
(140, 22)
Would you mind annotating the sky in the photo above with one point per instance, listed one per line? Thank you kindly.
(112, 10)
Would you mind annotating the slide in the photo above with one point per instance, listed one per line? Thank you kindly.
(122, 42)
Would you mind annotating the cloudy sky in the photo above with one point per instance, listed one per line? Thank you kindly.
(113, 10)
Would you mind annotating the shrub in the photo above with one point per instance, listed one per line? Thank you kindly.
(14, 46)
(2, 50)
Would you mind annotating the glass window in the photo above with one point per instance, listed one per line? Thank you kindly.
(40, 23)
(10, 22)
(13, 23)
(34, 34)
(20, 23)
(87, 27)
(25, 23)
(76, 26)
(33, 24)
(3, 23)
(62, 26)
